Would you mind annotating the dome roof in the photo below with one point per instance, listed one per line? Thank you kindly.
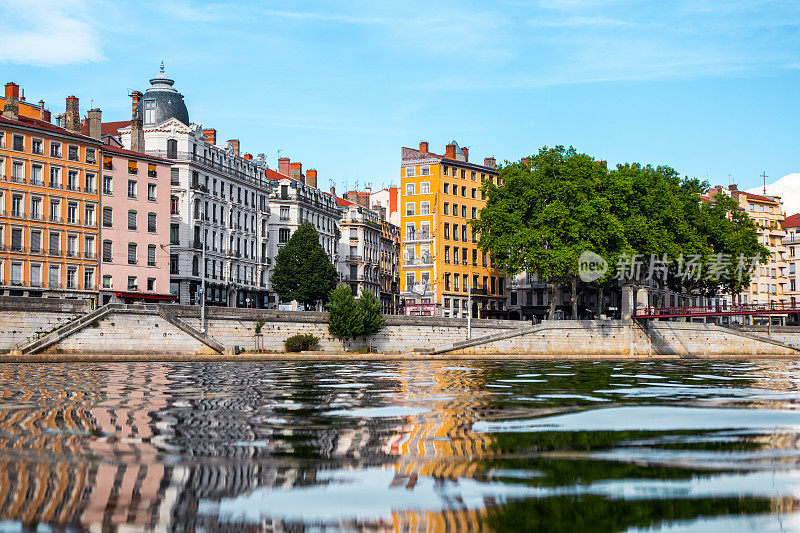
(161, 102)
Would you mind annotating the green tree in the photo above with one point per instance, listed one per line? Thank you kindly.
(550, 208)
(370, 314)
(344, 320)
(303, 271)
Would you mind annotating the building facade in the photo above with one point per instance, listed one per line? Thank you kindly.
(49, 201)
(135, 223)
(359, 248)
(791, 225)
(770, 281)
(440, 194)
(218, 203)
(294, 199)
(389, 272)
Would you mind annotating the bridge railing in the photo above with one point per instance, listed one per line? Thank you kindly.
(716, 310)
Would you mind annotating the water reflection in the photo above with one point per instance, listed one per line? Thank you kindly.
(400, 446)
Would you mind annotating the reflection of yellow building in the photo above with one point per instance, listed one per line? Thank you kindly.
(440, 443)
(439, 196)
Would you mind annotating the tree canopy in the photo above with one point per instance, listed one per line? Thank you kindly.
(349, 317)
(303, 271)
(558, 203)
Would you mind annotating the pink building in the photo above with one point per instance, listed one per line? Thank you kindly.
(134, 227)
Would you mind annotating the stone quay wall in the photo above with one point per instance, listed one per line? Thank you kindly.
(22, 319)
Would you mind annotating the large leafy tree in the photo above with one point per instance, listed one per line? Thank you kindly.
(344, 321)
(303, 271)
(549, 209)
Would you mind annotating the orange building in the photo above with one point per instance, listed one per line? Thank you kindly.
(440, 194)
(48, 200)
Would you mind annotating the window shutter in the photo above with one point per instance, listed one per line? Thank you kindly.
(107, 217)
(131, 219)
(54, 238)
(36, 241)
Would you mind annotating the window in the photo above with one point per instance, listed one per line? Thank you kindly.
(284, 213)
(36, 275)
(55, 277)
(107, 252)
(174, 234)
(72, 278)
(16, 273)
(36, 207)
(88, 183)
(72, 180)
(173, 263)
(72, 153)
(88, 279)
(151, 284)
(132, 285)
(455, 232)
(55, 243)
(88, 247)
(464, 211)
(88, 216)
(55, 149)
(424, 208)
(37, 146)
(55, 211)
(175, 177)
(55, 177)
(410, 172)
(36, 241)
(410, 210)
(472, 175)
(446, 254)
(37, 175)
(474, 192)
(108, 188)
(474, 212)
(108, 217)
(106, 281)
(172, 149)
(151, 223)
(283, 235)
(447, 208)
(131, 188)
(91, 156)
(151, 192)
(72, 213)
(131, 253)
(455, 210)
(446, 230)
(108, 163)
(174, 205)
(19, 143)
(16, 240)
(149, 111)
(151, 255)
(16, 206)
(132, 220)
(446, 188)
(464, 233)
(425, 187)
(17, 172)
(151, 170)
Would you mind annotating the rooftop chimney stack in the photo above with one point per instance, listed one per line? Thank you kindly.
(423, 147)
(41, 109)
(489, 162)
(283, 166)
(73, 115)
(466, 153)
(210, 135)
(235, 143)
(93, 119)
(296, 171)
(311, 177)
(450, 151)
(248, 157)
(11, 103)
(333, 191)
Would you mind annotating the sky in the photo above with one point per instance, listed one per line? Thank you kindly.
(709, 87)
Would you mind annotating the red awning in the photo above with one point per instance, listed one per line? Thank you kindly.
(145, 295)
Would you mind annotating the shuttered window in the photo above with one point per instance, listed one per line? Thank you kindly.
(108, 216)
(132, 253)
(151, 255)
(54, 243)
(16, 239)
(151, 222)
(36, 241)
(107, 251)
(131, 220)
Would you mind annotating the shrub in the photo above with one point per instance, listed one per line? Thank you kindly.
(259, 325)
(300, 343)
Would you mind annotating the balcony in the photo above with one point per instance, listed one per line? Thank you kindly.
(353, 258)
(89, 255)
(419, 236)
(55, 252)
(423, 260)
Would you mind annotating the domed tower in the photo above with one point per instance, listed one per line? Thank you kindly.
(161, 102)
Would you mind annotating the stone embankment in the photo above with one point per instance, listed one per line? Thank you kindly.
(52, 329)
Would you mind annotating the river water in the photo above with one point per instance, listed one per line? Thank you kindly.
(430, 445)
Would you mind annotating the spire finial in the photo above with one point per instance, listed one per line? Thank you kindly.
(162, 66)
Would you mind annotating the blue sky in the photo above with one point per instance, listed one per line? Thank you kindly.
(711, 88)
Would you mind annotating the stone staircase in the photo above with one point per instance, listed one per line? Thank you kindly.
(42, 343)
(468, 343)
(54, 337)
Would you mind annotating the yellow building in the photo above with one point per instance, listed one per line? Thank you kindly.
(439, 195)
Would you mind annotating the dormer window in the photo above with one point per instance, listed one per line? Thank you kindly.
(149, 111)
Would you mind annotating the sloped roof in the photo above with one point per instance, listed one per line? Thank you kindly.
(792, 221)
(107, 128)
(131, 153)
(45, 126)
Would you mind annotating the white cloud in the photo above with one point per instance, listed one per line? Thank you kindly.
(49, 32)
(788, 188)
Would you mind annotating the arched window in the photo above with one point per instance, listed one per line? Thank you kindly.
(172, 149)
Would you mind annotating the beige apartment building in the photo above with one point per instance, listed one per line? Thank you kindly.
(770, 282)
(791, 225)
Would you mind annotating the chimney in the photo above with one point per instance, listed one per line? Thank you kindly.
(362, 199)
(450, 151)
(283, 166)
(248, 157)
(22, 95)
(311, 177)
(73, 118)
(235, 143)
(135, 96)
(489, 162)
(333, 191)
(733, 187)
(296, 171)
(210, 135)
(466, 153)
(423, 147)
(47, 116)
(41, 109)
(94, 123)
(11, 103)
(351, 196)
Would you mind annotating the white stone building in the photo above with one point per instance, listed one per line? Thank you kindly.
(218, 198)
(360, 248)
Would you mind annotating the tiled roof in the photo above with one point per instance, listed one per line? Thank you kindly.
(107, 128)
(758, 197)
(341, 202)
(45, 126)
(792, 221)
(131, 153)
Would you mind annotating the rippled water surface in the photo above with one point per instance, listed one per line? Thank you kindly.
(542, 445)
